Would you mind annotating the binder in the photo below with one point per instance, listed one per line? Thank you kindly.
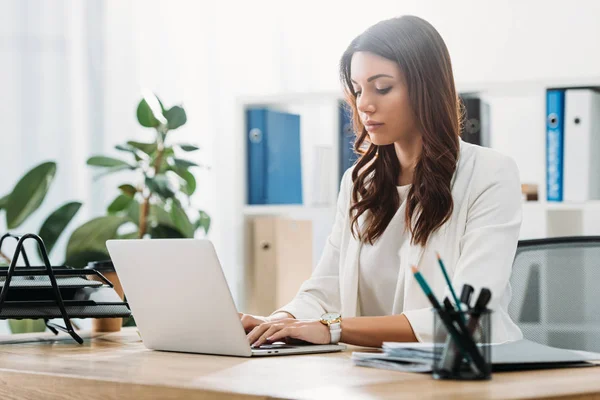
(274, 163)
(346, 137)
(582, 145)
(281, 260)
(475, 127)
(555, 108)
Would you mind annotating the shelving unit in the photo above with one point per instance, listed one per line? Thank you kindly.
(518, 129)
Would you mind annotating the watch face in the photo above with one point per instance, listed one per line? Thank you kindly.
(330, 316)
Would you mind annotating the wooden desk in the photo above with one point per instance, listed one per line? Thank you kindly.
(119, 366)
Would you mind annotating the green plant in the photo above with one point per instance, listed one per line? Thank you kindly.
(23, 201)
(157, 205)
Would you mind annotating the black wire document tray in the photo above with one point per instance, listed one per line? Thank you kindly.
(39, 282)
(73, 309)
(46, 292)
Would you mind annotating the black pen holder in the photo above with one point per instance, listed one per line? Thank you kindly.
(467, 357)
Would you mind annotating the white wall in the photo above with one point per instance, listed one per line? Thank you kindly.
(488, 41)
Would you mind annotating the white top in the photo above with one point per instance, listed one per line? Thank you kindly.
(379, 265)
(478, 245)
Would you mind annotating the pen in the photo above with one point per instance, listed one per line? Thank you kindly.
(456, 301)
(480, 306)
(465, 295)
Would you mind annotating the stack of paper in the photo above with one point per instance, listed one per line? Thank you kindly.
(519, 355)
(412, 351)
(408, 357)
(385, 361)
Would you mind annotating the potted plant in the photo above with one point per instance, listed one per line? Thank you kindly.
(157, 204)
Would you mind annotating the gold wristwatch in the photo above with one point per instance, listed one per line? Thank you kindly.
(334, 322)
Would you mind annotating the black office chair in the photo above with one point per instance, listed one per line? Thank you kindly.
(556, 291)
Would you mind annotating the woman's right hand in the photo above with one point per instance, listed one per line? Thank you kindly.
(251, 321)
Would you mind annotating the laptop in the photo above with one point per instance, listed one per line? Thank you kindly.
(181, 302)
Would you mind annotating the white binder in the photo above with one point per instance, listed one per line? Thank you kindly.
(582, 145)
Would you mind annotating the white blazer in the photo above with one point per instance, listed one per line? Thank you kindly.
(477, 244)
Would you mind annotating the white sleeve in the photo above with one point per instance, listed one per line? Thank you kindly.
(321, 292)
(489, 243)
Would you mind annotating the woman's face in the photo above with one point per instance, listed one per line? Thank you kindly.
(382, 98)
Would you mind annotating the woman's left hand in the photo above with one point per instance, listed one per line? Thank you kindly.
(312, 331)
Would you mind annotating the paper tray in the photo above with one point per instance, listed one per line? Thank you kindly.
(18, 310)
(43, 282)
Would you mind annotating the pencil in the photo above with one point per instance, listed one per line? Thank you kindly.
(456, 300)
(434, 302)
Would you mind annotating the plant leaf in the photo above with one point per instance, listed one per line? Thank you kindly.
(190, 181)
(4, 201)
(145, 116)
(181, 163)
(26, 325)
(132, 235)
(159, 216)
(181, 220)
(150, 111)
(110, 162)
(119, 204)
(88, 242)
(176, 117)
(109, 171)
(133, 212)
(187, 147)
(156, 106)
(56, 223)
(161, 185)
(128, 190)
(128, 149)
(29, 193)
(147, 148)
(203, 221)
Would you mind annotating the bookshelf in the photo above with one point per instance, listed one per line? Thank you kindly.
(517, 129)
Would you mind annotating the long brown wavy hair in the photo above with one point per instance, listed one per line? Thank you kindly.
(423, 58)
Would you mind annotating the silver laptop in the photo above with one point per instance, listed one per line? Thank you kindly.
(181, 302)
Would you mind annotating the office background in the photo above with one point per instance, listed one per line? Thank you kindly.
(72, 72)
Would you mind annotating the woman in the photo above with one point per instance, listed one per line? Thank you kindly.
(416, 191)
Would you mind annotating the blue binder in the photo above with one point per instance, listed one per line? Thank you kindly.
(555, 111)
(274, 163)
(347, 155)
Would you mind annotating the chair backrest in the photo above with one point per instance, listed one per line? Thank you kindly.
(556, 291)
